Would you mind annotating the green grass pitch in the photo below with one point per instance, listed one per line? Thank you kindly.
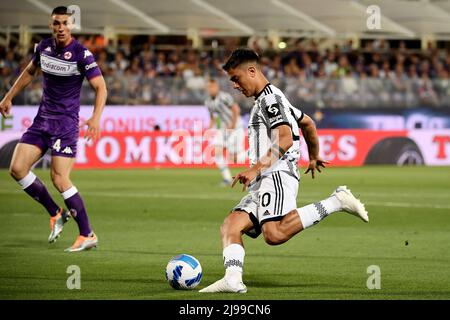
(144, 217)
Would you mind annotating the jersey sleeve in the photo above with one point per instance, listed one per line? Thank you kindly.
(88, 65)
(274, 111)
(36, 58)
(297, 113)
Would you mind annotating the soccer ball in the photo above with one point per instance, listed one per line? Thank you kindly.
(183, 272)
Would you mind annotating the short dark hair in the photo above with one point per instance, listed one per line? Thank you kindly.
(240, 56)
(61, 10)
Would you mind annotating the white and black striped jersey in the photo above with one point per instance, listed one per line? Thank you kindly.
(219, 108)
(272, 109)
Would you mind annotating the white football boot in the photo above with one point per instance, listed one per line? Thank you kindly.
(222, 285)
(350, 204)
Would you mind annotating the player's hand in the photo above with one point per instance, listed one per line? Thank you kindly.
(5, 107)
(93, 128)
(315, 164)
(245, 177)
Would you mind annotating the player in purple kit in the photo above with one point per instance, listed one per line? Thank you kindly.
(64, 63)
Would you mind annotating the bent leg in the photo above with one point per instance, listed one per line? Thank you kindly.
(278, 232)
(60, 173)
(25, 155)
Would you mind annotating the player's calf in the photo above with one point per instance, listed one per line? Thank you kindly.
(272, 233)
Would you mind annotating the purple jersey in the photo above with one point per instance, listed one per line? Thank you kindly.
(56, 123)
(63, 71)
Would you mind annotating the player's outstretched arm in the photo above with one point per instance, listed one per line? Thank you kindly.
(24, 79)
(309, 132)
(93, 123)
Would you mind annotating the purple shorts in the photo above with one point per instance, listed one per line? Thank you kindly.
(61, 137)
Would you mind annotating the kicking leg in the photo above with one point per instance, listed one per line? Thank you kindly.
(278, 232)
(340, 200)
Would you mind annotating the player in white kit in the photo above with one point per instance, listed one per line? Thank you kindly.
(272, 180)
(225, 117)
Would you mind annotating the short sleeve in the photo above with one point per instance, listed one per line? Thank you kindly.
(274, 110)
(88, 65)
(36, 58)
(298, 114)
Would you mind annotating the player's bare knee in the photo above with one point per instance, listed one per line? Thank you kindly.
(227, 226)
(59, 181)
(17, 172)
(232, 224)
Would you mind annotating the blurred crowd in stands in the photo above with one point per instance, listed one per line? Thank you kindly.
(375, 75)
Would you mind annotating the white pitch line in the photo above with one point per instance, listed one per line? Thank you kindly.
(303, 199)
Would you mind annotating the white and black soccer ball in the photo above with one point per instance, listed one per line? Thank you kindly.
(183, 272)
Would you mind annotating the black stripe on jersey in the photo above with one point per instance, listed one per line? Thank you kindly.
(262, 91)
(280, 103)
(263, 108)
(257, 125)
(293, 114)
(282, 192)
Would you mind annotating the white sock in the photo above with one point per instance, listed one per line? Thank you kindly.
(233, 261)
(221, 164)
(27, 180)
(69, 192)
(314, 213)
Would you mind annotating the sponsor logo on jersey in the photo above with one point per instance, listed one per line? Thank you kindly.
(273, 109)
(90, 66)
(58, 67)
(48, 49)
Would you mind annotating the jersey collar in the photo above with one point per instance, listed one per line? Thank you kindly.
(259, 94)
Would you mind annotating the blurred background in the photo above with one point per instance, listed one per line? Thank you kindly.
(352, 65)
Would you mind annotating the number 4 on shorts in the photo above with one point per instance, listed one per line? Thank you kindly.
(57, 145)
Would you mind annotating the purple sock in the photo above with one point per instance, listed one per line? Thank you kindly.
(76, 207)
(37, 190)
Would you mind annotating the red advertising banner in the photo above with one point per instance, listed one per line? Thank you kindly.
(185, 148)
(188, 149)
